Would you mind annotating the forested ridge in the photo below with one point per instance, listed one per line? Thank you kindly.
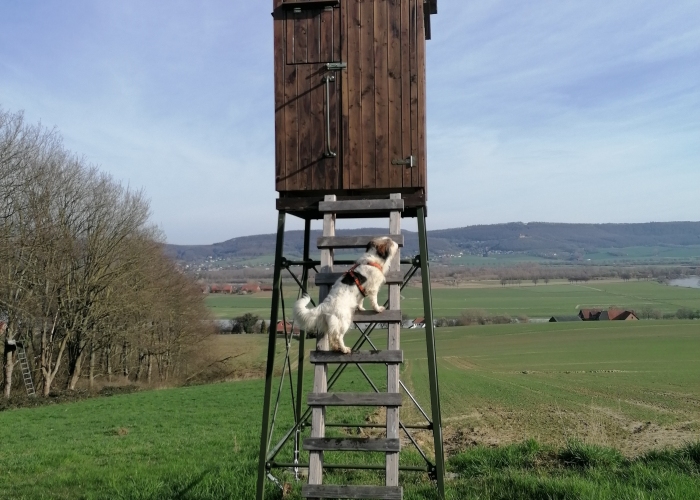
(540, 238)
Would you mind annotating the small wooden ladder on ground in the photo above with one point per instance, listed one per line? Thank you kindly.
(319, 399)
(26, 370)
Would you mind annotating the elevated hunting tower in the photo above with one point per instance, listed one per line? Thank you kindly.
(350, 142)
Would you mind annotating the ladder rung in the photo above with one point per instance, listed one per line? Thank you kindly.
(392, 278)
(352, 444)
(356, 357)
(356, 492)
(374, 317)
(354, 399)
(359, 241)
(361, 206)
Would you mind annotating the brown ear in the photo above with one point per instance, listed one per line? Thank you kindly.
(383, 249)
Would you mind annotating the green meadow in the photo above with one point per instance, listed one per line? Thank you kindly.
(534, 301)
(559, 410)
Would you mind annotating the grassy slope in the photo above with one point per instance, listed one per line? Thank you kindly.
(596, 382)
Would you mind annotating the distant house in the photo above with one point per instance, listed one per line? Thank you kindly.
(618, 315)
(265, 288)
(561, 319)
(215, 288)
(589, 314)
(418, 322)
(250, 288)
(609, 315)
(228, 289)
(282, 327)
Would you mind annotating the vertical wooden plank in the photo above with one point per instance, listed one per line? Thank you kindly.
(413, 41)
(291, 126)
(300, 37)
(304, 172)
(279, 33)
(289, 30)
(381, 93)
(326, 25)
(420, 178)
(343, 136)
(318, 414)
(318, 163)
(313, 49)
(393, 343)
(352, 167)
(368, 129)
(337, 35)
(406, 87)
(394, 91)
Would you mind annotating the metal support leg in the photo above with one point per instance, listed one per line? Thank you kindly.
(272, 337)
(302, 338)
(432, 359)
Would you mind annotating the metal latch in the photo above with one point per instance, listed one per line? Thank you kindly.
(410, 162)
(336, 66)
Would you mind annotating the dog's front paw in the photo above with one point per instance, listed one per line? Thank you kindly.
(360, 307)
(345, 350)
(380, 309)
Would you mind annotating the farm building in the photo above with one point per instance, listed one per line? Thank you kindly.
(609, 315)
(249, 288)
(561, 319)
(287, 327)
(617, 315)
(418, 322)
(589, 314)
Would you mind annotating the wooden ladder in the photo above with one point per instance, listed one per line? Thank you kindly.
(319, 399)
(26, 369)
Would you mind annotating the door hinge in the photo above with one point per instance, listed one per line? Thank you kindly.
(410, 162)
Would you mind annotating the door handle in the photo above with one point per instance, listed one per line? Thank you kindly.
(327, 79)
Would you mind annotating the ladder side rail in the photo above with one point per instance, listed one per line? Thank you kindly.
(318, 414)
(393, 343)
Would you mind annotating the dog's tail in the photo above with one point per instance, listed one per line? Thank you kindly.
(305, 317)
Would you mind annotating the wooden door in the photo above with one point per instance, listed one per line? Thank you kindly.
(384, 128)
(307, 98)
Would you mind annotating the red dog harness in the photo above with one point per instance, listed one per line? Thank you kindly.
(351, 272)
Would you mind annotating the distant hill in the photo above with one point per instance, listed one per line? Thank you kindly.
(534, 238)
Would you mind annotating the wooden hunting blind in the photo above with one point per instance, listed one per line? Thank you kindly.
(350, 99)
(350, 142)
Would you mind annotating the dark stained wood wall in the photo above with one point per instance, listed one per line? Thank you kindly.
(377, 104)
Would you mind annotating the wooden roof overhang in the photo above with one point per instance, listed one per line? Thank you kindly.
(430, 8)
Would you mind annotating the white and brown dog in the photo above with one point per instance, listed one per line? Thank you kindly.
(333, 316)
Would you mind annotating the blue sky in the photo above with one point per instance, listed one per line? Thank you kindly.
(555, 111)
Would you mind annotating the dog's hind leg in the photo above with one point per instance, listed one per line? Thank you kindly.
(335, 335)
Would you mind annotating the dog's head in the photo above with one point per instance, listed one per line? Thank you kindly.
(385, 248)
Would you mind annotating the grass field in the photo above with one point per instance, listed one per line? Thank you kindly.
(660, 255)
(541, 301)
(632, 386)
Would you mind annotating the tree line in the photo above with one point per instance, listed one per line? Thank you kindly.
(85, 288)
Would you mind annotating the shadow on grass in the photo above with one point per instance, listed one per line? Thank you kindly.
(181, 494)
